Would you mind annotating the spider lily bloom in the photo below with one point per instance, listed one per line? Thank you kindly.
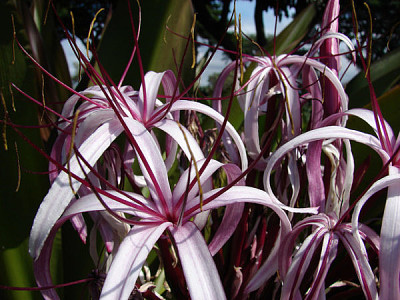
(100, 113)
(338, 199)
(274, 80)
(277, 76)
(100, 121)
(164, 209)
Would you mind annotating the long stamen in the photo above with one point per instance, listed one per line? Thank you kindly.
(12, 97)
(14, 38)
(193, 44)
(91, 29)
(41, 104)
(74, 39)
(192, 158)
(221, 131)
(134, 48)
(167, 108)
(43, 288)
(137, 204)
(4, 131)
(71, 149)
(108, 209)
(53, 77)
(369, 43)
(380, 123)
(113, 91)
(238, 35)
(182, 213)
(43, 100)
(249, 168)
(139, 59)
(18, 168)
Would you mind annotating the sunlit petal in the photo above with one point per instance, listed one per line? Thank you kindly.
(198, 266)
(60, 193)
(128, 262)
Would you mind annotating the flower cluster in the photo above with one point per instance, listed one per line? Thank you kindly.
(264, 210)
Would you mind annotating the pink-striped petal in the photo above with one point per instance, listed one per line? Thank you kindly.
(60, 193)
(128, 262)
(198, 266)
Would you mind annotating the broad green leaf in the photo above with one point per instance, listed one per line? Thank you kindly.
(14, 263)
(158, 46)
(18, 198)
(291, 36)
(23, 177)
(384, 74)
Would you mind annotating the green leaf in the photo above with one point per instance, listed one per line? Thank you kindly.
(20, 195)
(158, 46)
(291, 36)
(384, 74)
(23, 177)
(14, 263)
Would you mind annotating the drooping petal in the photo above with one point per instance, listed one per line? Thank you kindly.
(240, 194)
(361, 266)
(328, 132)
(389, 264)
(91, 122)
(41, 267)
(128, 262)
(106, 231)
(196, 106)
(80, 226)
(179, 134)
(151, 164)
(316, 189)
(60, 193)
(300, 60)
(369, 117)
(232, 214)
(389, 254)
(328, 254)
(228, 225)
(347, 179)
(87, 203)
(338, 36)
(300, 263)
(281, 256)
(257, 88)
(198, 266)
(316, 221)
(205, 177)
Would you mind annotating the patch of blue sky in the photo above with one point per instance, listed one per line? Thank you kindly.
(246, 10)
